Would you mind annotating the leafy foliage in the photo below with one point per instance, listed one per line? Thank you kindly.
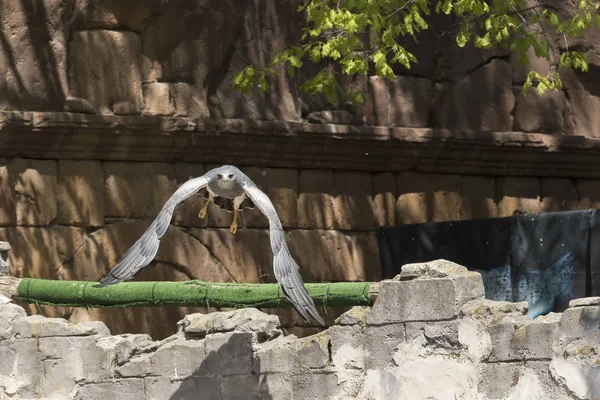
(361, 37)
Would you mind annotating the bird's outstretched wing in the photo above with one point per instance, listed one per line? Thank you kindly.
(287, 272)
(144, 249)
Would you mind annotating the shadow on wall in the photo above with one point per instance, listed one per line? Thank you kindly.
(32, 41)
(231, 352)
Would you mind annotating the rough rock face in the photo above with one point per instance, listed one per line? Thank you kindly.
(408, 346)
(179, 57)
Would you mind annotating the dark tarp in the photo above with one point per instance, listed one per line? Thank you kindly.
(544, 259)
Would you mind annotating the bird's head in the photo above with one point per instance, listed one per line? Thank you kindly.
(226, 176)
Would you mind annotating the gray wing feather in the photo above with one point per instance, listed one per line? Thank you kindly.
(287, 272)
(145, 248)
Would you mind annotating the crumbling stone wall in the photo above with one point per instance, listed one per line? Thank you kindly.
(429, 335)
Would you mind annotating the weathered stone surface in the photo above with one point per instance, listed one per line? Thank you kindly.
(79, 105)
(33, 187)
(112, 14)
(324, 255)
(316, 199)
(76, 359)
(404, 101)
(582, 381)
(244, 320)
(125, 346)
(7, 196)
(80, 193)
(123, 108)
(494, 311)
(34, 252)
(583, 99)
(137, 191)
(10, 314)
(166, 388)
(384, 198)
(33, 56)
(157, 99)
(174, 358)
(93, 76)
(291, 355)
(229, 353)
(515, 339)
(518, 195)
(21, 369)
(558, 195)
(39, 326)
(353, 203)
(540, 114)
(468, 284)
(357, 315)
(463, 105)
(580, 322)
(508, 381)
(243, 257)
(585, 301)
(282, 189)
(428, 198)
(416, 300)
(122, 388)
(479, 196)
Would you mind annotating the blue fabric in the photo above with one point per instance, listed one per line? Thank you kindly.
(545, 259)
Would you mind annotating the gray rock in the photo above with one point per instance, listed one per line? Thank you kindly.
(580, 322)
(125, 346)
(443, 334)
(356, 315)
(229, 353)
(76, 359)
(39, 326)
(347, 345)
(190, 388)
(520, 338)
(492, 311)
(243, 320)
(314, 386)
(414, 300)
(9, 315)
(244, 387)
(585, 301)
(115, 389)
(79, 105)
(381, 342)
(290, 354)
(431, 270)
(22, 368)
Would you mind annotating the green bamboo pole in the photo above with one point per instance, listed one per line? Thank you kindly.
(186, 293)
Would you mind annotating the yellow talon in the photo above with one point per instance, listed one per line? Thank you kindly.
(202, 213)
(234, 225)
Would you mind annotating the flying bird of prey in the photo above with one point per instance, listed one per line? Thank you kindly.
(230, 189)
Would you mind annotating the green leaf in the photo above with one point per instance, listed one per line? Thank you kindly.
(462, 38)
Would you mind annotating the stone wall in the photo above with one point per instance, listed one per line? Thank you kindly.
(179, 57)
(429, 335)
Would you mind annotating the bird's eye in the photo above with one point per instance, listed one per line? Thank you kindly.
(219, 176)
(230, 176)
